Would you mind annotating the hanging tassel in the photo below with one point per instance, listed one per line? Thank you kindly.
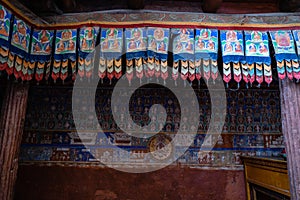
(268, 74)
(175, 72)
(10, 64)
(259, 74)
(73, 69)
(88, 66)
(81, 63)
(151, 67)
(192, 71)
(64, 70)
(164, 71)
(18, 67)
(184, 69)
(157, 69)
(206, 70)
(31, 68)
(237, 72)
(56, 70)
(198, 71)
(214, 70)
(24, 72)
(289, 69)
(145, 66)
(110, 70)
(296, 70)
(3, 58)
(48, 70)
(129, 71)
(281, 70)
(139, 69)
(102, 69)
(118, 68)
(251, 71)
(245, 73)
(40, 71)
(226, 73)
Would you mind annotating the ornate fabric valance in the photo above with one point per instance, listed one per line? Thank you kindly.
(28, 52)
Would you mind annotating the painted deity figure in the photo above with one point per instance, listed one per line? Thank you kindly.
(159, 34)
(136, 34)
(105, 44)
(3, 30)
(231, 36)
(263, 48)
(228, 47)
(252, 48)
(256, 36)
(238, 47)
(184, 34)
(111, 33)
(205, 34)
(116, 44)
(89, 31)
(37, 47)
(132, 44)
(84, 44)
(142, 44)
(44, 37)
(152, 44)
(71, 45)
(61, 46)
(178, 46)
(162, 46)
(283, 39)
(211, 45)
(200, 44)
(189, 46)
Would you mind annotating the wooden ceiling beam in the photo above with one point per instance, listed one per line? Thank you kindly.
(211, 6)
(136, 4)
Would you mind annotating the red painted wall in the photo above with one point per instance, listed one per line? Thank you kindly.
(174, 183)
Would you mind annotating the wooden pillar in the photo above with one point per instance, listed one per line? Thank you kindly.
(11, 128)
(290, 114)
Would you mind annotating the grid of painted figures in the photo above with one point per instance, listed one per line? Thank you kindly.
(252, 125)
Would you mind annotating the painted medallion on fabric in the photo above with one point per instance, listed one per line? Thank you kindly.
(88, 37)
(4, 23)
(283, 42)
(21, 35)
(111, 40)
(41, 42)
(65, 42)
(232, 43)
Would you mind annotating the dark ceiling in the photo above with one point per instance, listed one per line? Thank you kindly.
(55, 7)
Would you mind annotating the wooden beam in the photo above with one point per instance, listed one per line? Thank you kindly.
(211, 6)
(290, 114)
(136, 4)
(11, 129)
(66, 5)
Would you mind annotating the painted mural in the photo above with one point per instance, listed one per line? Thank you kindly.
(50, 133)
